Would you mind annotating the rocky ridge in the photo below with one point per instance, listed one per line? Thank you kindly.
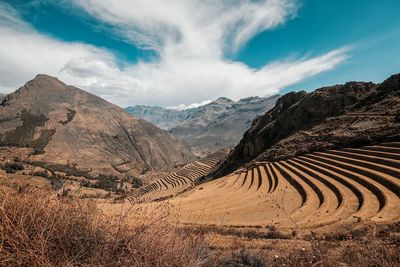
(349, 115)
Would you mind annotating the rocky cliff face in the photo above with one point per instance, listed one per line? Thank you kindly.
(68, 126)
(210, 127)
(349, 115)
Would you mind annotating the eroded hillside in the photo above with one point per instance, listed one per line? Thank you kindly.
(70, 127)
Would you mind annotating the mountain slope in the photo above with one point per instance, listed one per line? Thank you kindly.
(210, 127)
(349, 115)
(68, 126)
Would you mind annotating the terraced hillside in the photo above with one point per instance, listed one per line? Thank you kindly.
(178, 181)
(336, 186)
(350, 115)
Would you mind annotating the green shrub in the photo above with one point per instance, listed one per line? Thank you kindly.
(43, 174)
(85, 183)
(12, 167)
(106, 182)
(136, 182)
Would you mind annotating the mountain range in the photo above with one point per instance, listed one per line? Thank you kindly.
(68, 127)
(208, 128)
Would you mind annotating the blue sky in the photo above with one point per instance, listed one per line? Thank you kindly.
(71, 24)
(176, 53)
(371, 27)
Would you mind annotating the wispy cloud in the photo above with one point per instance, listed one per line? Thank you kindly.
(194, 41)
(205, 28)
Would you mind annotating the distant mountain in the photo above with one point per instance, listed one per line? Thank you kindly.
(218, 124)
(162, 117)
(350, 115)
(70, 127)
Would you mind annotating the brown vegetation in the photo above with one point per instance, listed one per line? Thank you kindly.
(38, 230)
(43, 231)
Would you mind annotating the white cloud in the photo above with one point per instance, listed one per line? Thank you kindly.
(194, 105)
(193, 39)
(25, 53)
(193, 28)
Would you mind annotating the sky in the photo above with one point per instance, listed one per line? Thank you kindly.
(185, 53)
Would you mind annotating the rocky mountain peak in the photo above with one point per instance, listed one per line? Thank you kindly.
(64, 124)
(391, 84)
(223, 101)
(42, 84)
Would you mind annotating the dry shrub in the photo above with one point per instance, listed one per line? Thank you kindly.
(271, 233)
(341, 253)
(38, 230)
(375, 253)
(44, 231)
(243, 257)
(353, 234)
(317, 255)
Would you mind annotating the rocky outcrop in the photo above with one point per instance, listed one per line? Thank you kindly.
(349, 115)
(70, 127)
(210, 127)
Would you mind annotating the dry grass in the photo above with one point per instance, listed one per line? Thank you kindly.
(367, 253)
(39, 230)
(325, 254)
(43, 231)
(270, 233)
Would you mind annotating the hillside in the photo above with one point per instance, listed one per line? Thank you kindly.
(72, 128)
(322, 190)
(179, 181)
(322, 161)
(210, 127)
(349, 115)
